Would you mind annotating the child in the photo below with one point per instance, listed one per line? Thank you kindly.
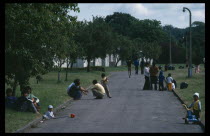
(98, 90)
(161, 79)
(33, 98)
(49, 114)
(196, 107)
(169, 81)
(104, 82)
(23, 104)
(10, 100)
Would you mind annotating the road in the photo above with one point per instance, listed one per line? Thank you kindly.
(130, 110)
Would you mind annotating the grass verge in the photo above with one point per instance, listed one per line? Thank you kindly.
(195, 84)
(51, 92)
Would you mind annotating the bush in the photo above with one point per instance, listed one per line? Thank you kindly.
(97, 68)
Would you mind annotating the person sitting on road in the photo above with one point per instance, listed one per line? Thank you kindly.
(195, 106)
(74, 90)
(97, 90)
(23, 104)
(104, 82)
(49, 114)
(153, 75)
(161, 80)
(33, 98)
(10, 101)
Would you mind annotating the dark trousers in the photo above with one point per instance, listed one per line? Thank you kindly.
(154, 81)
(147, 83)
(137, 69)
(161, 87)
(142, 70)
(106, 90)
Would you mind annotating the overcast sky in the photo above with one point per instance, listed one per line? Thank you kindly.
(166, 13)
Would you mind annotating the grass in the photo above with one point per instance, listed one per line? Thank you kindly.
(51, 93)
(195, 84)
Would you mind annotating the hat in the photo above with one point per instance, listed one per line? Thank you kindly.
(196, 94)
(50, 106)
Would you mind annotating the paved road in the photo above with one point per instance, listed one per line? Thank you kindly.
(131, 109)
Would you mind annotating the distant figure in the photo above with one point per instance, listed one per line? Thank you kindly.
(153, 75)
(98, 90)
(166, 67)
(129, 62)
(169, 81)
(204, 62)
(147, 85)
(136, 64)
(10, 101)
(142, 66)
(161, 80)
(104, 82)
(197, 68)
(75, 91)
(49, 114)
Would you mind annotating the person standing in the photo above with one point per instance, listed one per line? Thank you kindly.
(161, 80)
(136, 64)
(104, 82)
(147, 84)
(129, 62)
(153, 75)
(142, 66)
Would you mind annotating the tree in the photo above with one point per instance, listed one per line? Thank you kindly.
(30, 30)
(95, 39)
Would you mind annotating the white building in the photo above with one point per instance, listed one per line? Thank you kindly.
(81, 63)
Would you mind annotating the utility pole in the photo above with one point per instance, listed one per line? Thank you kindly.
(170, 49)
(190, 52)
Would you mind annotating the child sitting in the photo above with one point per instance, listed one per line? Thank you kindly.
(23, 104)
(49, 114)
(196, 107)
(104, 82)
(10, 100)
(33, 98)
(169, 81)
(161, 79)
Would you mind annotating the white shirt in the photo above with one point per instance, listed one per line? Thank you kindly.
(169, 79)
(49, 115)
(146, 71)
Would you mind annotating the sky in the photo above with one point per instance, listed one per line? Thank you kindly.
(167, 13)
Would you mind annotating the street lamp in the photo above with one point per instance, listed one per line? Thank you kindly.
(190, 52)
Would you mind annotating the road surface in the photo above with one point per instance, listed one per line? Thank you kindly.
(130, 109)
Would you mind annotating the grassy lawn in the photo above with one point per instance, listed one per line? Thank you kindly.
(51, 92)
(195, 84)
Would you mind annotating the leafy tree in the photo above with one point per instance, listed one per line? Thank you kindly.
(30, 35)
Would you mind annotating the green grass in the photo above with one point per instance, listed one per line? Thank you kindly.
(195, 84)
(51, 92)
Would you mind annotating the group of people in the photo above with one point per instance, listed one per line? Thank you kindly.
(75, 91)
(26, 102)
(136, 64)
(152, 77)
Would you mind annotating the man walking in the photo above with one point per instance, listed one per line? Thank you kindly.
(142, 66)
(153, 75)
(136, 64)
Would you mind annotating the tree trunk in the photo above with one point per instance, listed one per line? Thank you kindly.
(72, 65)
(67, 62)
(14, 88)
(88, 65)
(118, 60)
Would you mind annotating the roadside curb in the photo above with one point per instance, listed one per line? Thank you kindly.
(201, 124)
(37, 121)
